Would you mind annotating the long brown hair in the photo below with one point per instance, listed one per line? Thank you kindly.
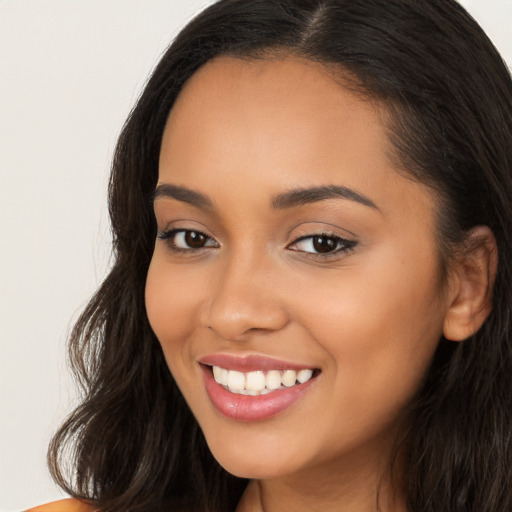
(133, 445)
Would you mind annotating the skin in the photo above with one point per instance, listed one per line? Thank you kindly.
(369, 318)
(67, 505)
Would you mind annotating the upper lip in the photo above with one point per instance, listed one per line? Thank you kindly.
(250, 363)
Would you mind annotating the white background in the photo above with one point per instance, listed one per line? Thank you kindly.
(69, 73)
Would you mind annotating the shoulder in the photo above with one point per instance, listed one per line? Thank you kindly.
(68, 505)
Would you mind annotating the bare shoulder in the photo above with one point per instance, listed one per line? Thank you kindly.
(68, 505)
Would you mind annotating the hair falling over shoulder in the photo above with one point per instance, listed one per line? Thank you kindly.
(133, 444)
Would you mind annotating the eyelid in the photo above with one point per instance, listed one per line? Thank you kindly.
(347, 245)
(168, 235)
(183, 224)
(319, 227)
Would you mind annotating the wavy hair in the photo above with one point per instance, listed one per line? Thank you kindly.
(133, 445)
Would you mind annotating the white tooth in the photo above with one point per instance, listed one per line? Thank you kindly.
(255, 381)
(239, 391)
(224, 375)
(273, 379)
(252, 392)
(304, 375)
(265, 391)
(217, 370)
(288, 378)
(236, 380)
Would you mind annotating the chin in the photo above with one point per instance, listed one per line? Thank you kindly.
(252, 468)
(252, 459)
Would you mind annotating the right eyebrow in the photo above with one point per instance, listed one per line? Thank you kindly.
(183, 194)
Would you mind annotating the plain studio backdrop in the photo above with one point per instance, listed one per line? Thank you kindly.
(69, 73)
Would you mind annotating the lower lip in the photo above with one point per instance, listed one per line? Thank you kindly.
(252, 408)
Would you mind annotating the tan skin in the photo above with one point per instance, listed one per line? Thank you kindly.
(66, 505)
(367, 312)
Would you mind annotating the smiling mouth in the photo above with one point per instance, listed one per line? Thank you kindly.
(256, 383)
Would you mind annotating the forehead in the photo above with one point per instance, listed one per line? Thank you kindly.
(305, 89)
(279, 106)
(288, 77)
(280, 123)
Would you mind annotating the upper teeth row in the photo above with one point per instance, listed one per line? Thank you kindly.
(259, 382)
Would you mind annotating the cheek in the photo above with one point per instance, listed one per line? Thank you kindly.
(380, 323)
(172, 304)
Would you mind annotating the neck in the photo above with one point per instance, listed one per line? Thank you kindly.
(328, 489)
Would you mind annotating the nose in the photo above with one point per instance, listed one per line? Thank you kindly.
(245, 299)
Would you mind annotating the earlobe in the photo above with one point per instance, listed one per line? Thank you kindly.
(470, 295)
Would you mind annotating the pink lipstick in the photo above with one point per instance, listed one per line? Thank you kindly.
(272, 385)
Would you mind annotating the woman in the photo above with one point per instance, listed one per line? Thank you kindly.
(310, 304)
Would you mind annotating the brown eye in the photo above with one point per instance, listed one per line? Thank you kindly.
(187, 240)
(195, 239)
(323, 244)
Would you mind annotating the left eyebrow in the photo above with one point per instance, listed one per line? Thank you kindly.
(303, 196)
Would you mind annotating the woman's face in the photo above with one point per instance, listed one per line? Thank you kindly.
(289, 243)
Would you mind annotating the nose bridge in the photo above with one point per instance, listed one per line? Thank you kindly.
(245, 297)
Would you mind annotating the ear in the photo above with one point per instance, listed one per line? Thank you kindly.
(471, 283)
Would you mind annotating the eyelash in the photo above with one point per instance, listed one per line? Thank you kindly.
(341, 245)
(169, 237)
